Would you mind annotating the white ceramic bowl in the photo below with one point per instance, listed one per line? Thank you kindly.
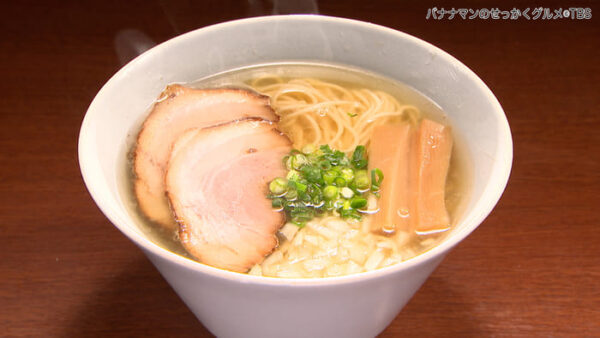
(237, 305)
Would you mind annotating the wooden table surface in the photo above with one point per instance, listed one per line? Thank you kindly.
(531, 269)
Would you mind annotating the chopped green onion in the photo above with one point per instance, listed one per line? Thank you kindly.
(325, 149)
(376, 178)
(358, 202)
(277, 203)
(330, 192)
(316, 195)
(329, 205)
(340, 181)
(329, 176)
(348, 174)
(285, 160)
(346, 205)
(358, 157)
(313, 157)
(344, 162)
(347, 192)
(325, 165)
(358, 153)
(278, 186)
(311, 173)
(291, 195)
(300, 187)
(298, 161)
(293, 175)
(305, 198)
(361, 179)
(361, 164)
(323, 180)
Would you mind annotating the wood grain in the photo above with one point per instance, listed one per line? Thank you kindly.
(531, 269)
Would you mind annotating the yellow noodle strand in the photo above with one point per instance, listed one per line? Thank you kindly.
(320, 112)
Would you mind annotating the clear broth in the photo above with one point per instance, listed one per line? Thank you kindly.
(459, 175)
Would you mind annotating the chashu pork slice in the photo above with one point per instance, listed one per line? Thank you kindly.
(217, 180)
(177, 110)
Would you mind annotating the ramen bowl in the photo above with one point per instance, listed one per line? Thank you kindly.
(231, 304)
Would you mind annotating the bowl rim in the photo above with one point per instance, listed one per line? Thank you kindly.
(482, 208)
